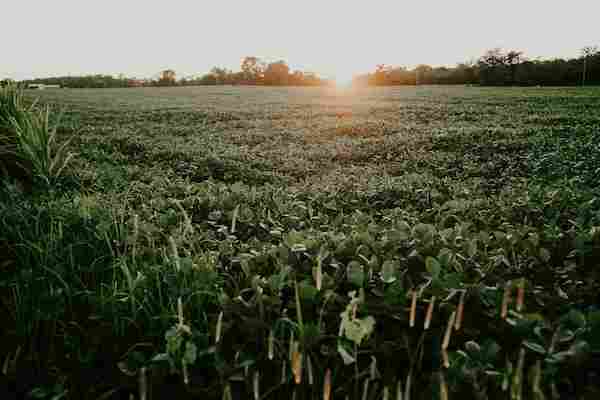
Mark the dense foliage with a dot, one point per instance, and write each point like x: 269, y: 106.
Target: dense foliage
x: 253, y: 72
x: 263, y: 243
x: 495, y: 68
x: 89, y: 81
x: 28, y: 147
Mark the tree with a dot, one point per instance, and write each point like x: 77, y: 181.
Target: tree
x: 221, y: 75
x: 422, y: 74
x: 587, y: 52
x: 493, y: 57
x: 277, y: 73
x: 493, y: 68
x: 167, y: 78
x: 513, y: 59
x: 466, y: 73
x: 380, y: 77
x: 253, y: 69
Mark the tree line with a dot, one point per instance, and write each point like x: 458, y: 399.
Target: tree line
x: 253, y: 71
x: 495, y: 68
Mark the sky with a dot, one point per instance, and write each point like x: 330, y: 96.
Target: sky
x: 334, y: 38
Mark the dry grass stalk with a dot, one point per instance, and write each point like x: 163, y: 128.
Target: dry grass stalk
x: 407, y: 387
x: 218, y: 328
x: 399, y: 390
x: 516, y: 388
x: 297, y: 363
x: 143, y: 384
x: 413, y: 308
x: 180, y: 312
x: 429, y: 313
x: 536, y: 381
x: 175, y: 254
x: 460, y: 311
x: 309, y: 371
x: 445, y: 358
x: 271, y: 345
x: 365, y: 394
x: 186, y: 376
x: 227, y: 392
x: 255, y: 385
x: 448, y: 334
x: 327, y: 385
x: 318, y: 273
x: 386, y: 393
x: 443, y: 387
x: 283, y: 372
x: 520, y: 295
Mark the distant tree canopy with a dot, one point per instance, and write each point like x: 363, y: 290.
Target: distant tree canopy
x: 386, y: 75
x: 495, y: 68
x: 89, y: 81
x: 168, y: 77
x: 6, y: 82
x: 253, y: 71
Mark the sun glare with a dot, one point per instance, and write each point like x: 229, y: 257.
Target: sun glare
x: 343, y: 83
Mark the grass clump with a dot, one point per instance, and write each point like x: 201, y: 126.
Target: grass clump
x: 29, y: 147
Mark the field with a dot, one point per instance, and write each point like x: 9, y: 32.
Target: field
x: 248, y: 242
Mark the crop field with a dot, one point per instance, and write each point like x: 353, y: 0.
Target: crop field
x: 309, y: 243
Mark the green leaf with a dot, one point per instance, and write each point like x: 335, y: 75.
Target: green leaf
x: 472, y: 248
x: 234, y: 218
x: 445, y: 257
x: 357, y: 329
x: 574, y: 319
x: 174, y: 340
x: 433, y: 267
x: 484, y: 237
x: 545, y: 255
x: 500, y: 236
x: 473, y: 347
x: 534, y: 347
x: 191, y: 351
x: 579, y: 348
x: 160, y: 357
x: 559, y: 357
x: 346, y: 357
x: 356, y: 273
x: 307, y: 291
x: 490, y: 350
x: 388, y: 272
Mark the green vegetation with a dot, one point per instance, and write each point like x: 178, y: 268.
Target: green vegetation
x: 265, y: 243
x: 28, y: 144
x: 496, y: 68
x: 253, y: 72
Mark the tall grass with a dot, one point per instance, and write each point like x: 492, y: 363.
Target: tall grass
x: 12, y: 110
x: 29, y: 146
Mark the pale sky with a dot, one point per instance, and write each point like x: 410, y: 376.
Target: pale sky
x: 333, y: 38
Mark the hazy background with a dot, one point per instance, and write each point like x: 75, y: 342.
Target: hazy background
x: 333, y: 38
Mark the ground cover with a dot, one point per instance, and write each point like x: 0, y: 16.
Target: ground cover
x: 268, y: 242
